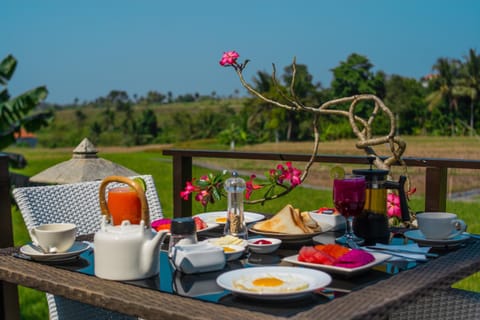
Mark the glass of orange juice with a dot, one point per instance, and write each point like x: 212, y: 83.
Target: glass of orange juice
x: 124, y: 204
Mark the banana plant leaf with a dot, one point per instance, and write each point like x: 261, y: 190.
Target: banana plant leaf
x: 17, y: 112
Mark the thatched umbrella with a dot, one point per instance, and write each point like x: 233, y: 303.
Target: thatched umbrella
x: 85, y: 165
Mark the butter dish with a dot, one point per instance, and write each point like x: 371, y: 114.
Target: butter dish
x: 336, y: 220
x: 197, y: 258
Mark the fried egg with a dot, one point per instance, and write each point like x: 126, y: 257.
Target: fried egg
x: 221, y: 220
x: 270, y: 283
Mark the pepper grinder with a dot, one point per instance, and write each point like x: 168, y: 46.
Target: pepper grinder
x: 182, y: 231
x: 235, y: 224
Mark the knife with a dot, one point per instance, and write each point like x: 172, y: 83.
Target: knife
x: 427, y: 254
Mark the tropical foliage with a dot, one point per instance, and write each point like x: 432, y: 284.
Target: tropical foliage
x: 445, y: 102
x: 17, y: 112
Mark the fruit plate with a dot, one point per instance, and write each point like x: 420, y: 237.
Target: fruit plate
x: 379, y: 258
x: 293, y: 282
x: 219, y: 217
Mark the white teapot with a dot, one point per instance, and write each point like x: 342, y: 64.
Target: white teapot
x: 126, y: 251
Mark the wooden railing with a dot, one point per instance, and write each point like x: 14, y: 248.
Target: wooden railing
x: 435, y: 193
x: 436, y: 172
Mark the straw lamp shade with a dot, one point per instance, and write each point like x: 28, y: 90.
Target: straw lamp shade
x: 85, y: 165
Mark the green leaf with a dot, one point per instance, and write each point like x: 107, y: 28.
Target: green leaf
x: 202, y: 183
x: 7, y: 68
x: 14, y: 113
x: 216, y: 195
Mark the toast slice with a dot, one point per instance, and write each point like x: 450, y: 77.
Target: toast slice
x: 310, y: 223
x: 281, y: 222
x: 297, y: 217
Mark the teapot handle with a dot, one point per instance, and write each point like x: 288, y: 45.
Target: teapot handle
x: 138, y: 189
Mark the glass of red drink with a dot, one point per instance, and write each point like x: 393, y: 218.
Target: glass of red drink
x: 349, y: 199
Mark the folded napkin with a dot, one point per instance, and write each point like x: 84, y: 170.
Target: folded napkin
x: 415, y: 252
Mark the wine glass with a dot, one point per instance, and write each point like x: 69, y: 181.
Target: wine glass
x: 349, y: 199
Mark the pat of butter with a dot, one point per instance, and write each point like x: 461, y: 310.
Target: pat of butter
x: 336, y: 220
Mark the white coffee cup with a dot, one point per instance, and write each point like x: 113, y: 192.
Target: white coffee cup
x: 54, y: 237
x: 440, y: 225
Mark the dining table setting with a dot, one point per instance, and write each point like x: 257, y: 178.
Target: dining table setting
x: 290, y: 263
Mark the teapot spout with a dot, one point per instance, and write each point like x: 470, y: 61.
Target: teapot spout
x: 150, y: 249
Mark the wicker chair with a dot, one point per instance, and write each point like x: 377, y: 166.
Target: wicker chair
x: 444, y: 304
x: 76, y: 203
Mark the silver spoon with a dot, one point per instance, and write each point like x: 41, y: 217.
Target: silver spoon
x: 40, y: 249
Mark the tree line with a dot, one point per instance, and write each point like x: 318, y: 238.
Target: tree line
x: 445, y: 102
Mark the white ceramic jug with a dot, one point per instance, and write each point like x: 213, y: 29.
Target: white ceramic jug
x: 127, y: 251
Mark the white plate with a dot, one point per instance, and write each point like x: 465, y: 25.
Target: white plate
x: 379, y: 258
x: 417, y: 236
x: 237, y: 253
x: 74, y: 251
x: 287, y: 236
x: 210, y: 217
x: 314, y: 278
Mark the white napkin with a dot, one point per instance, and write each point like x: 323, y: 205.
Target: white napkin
x: 391, y: 249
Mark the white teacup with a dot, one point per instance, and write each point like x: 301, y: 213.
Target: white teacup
x: 54, y: 237
x: 440, y: 225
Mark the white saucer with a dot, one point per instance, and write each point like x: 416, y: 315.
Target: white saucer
x: 74, y: 251
x: 417, y: 236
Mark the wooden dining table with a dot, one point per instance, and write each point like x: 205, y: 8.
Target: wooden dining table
x: 375, y: 294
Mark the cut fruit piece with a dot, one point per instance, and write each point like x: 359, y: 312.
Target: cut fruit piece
x: 141, y: 183
x: 337, y: 172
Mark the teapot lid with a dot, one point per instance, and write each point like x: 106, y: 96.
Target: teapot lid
x: 125, y: 227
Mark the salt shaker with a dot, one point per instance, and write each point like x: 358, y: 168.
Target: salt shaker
x: 235, y: 224
x: 182, y: 231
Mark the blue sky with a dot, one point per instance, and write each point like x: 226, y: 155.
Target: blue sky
x: 84, y: 49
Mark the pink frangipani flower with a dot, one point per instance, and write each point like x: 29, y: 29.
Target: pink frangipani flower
x: 229, y: 58
x: 189, y: 188
x: 250, y: 186
x: 393, y: 206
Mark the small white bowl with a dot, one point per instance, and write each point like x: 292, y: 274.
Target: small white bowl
x: 264, y: 248
x: 235, y: 254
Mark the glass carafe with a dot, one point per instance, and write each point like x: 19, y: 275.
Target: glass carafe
x: 372, y: 223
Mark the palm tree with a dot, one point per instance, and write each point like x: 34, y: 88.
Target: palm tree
x: 16, y: 112
x: 445, y: 87
x: 469, y: 83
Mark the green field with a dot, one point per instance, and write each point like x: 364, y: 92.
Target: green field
x: 33, y: 303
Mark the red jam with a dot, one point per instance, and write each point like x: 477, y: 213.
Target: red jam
x: 261, y: 241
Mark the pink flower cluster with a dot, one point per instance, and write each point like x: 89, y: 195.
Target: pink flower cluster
x: 290, y: 174
x: 209, y: 188
x: 203, y: 194
x: 229, y: 58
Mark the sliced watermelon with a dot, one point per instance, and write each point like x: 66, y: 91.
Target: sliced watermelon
x: 312, y: 255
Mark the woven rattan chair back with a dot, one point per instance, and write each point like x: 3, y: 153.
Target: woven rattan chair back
x: 76, y: 203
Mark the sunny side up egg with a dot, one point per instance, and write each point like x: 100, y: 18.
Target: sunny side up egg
x: 270, y: 283
x: 221, y: 220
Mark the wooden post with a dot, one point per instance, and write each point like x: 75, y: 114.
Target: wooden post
x: 436, y: 189
x: 9, y: 307
x: 182, y: 172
